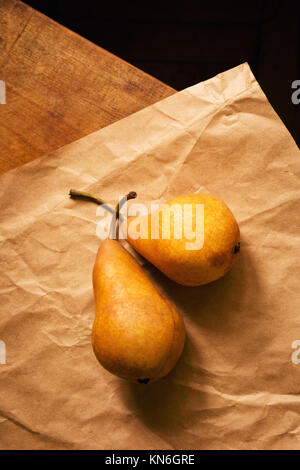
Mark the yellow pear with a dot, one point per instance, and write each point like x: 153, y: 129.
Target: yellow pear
x: 138, y: 334
x: 193, y: 239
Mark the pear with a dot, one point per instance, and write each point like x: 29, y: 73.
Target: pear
x: 216, y: 238
x: 138, y: 334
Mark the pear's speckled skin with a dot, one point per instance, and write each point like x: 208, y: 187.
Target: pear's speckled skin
x: 138, y: 334
x: 192, y: 267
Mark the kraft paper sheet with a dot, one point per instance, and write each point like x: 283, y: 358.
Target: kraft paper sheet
x: 237, y: 383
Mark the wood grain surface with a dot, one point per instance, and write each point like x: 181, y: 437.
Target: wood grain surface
x: 59, y: 86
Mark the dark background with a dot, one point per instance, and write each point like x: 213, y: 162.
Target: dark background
x: 184, y: 43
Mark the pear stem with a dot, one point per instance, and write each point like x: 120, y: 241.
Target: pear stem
x: 74, y: 194
x: 112, y: 230
x: 130, y: 195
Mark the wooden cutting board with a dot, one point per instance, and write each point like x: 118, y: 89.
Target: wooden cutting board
x: 60, y: 86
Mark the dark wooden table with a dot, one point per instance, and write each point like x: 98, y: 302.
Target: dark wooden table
x: 186, y: 43
x: 59, y: 86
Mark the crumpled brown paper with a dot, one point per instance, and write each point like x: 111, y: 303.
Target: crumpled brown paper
x: 236, y: 385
